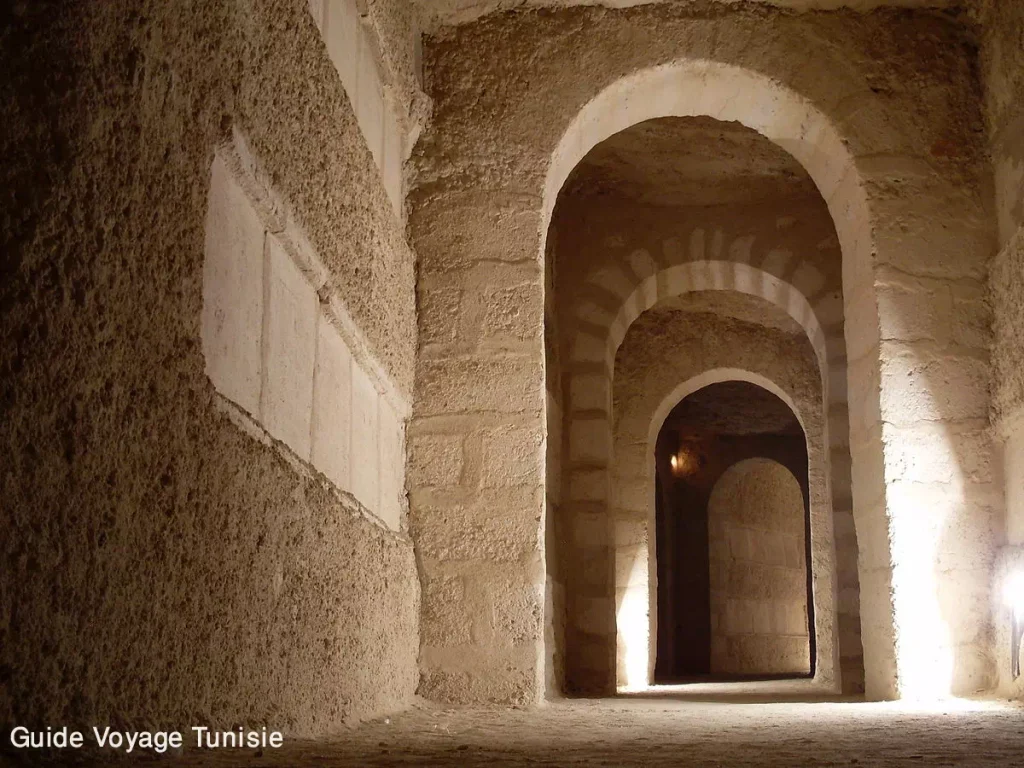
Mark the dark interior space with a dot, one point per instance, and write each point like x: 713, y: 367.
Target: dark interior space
x: 708, y: 432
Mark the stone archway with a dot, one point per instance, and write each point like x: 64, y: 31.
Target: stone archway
x: 807, y: 411
x: 481, y: 375
x: 728, y: 93
x: 594, y: 480
x: 795, y: 381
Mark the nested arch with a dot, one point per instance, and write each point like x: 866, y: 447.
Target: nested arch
x: 789, y: 120
x: 717, y: 376
x: 788, y: 376
x: 593, y: 346
x: 714, y: 275
x: 722, y: 276
x: 729, y: 93
x: 600, y: 458
x: 895, y: 593
x: 489, y: 172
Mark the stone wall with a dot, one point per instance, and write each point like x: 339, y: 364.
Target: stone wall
x: 374, y: 46
x: 758, y: 572
x: 171, y: 560
x: 1003, y: 72
x: 295, y: 365
x: 890, y: 161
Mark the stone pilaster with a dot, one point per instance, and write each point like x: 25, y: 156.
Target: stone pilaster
x: 477, y: 458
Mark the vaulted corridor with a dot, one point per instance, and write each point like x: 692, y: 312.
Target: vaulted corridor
x: 545, y: 382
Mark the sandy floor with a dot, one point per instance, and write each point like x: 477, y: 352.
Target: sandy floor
x: 765, y: 724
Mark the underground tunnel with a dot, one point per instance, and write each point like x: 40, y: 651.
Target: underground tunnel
x: 544, y: 382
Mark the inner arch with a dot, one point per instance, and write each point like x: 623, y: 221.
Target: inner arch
x: 721, y: 276
x: 700, y: 87
x: 626, y: 284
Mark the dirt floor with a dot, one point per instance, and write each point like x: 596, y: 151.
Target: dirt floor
x: 754, y: 724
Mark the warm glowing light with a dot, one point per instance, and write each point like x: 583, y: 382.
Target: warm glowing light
x: 1013, y: 593
x: 925, y: 652
x: 684, y: 462
x: 633, y: 622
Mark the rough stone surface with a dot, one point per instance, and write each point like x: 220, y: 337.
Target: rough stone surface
x: 1008, y: 361
x: 163, y: 565
x: 1003, y: 75
x: 738, y: 306
x: 449, y: 12
x: 758, y: 572
x: 688, y: 161
x: 733, y: 408
x: 1002, y: 62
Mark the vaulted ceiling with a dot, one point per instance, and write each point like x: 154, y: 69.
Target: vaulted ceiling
x: 733, y: 408
x: 688, y: 161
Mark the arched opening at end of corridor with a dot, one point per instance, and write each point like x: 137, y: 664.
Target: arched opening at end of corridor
x: 681, y: 250
x: 495, y: 385
x: 732, y: 524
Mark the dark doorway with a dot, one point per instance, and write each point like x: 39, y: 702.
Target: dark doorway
x: 706, y: 434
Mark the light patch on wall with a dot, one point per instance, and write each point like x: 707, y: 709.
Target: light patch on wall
x: 1013, y: 593
x: 296, y: 366
x: 631, y: 618
x: 923, y: 643
x: 352, y: 48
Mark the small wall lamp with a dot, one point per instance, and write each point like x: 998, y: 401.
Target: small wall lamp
x: 684, y: 462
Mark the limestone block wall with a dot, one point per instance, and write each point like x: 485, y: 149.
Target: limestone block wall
x: 1003, y: 68
x: 171, y: 560
x: 889, y: 161
x: 477, y: 456
x: 758, y: 572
